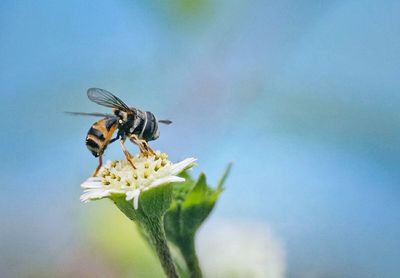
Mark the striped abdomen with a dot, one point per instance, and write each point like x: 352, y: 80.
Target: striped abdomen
x: 99, y: 135
x: 147, y: 129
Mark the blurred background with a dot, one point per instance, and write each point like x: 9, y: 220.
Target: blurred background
x: 303, y: 97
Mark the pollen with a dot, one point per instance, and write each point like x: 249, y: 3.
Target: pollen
x: 105, y: 173
x: 163, y: 156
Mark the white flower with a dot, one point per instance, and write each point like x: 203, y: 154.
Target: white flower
x: 120, y: 178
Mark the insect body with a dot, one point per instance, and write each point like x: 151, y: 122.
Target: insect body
x: 138, y: 126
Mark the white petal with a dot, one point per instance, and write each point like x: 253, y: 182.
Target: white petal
x: 92, y: 182
x: 135, y: 196
x: 93, y: 185
x: 94, y: 195
x: 166, y: 180
x: 180, y: 166
x: 116, y: 191
x: 129, y: 195
x: 94, y: 179
x: 136, y: 200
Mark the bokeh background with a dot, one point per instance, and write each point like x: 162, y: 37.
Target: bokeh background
x: 303, y: 97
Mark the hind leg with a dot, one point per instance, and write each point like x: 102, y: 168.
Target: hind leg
x: 143, y: 145
x: 98, y: 166
x: 147, y: 149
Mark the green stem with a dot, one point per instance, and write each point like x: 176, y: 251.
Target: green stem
x: 187, y: 248
x: 156, y: 234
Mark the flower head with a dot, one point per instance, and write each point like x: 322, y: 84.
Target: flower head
x: 118, y: 178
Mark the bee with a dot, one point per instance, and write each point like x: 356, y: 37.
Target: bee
x: 130, y: 123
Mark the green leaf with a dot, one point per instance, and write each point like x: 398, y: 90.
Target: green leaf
x: 222, y: 180
x: 199, y: 193
x: 197, y: 205
x: 192, y: 203
x: 181, y: 189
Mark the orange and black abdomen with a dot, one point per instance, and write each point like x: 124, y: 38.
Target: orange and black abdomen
x: 99, y: 135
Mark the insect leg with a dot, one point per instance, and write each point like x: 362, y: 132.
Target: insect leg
x: 146, y: 147
x: 98, y: 167
x: 127, y: 153
x: 134, y: 139
x: 114, y: 139
x: 142, y: 144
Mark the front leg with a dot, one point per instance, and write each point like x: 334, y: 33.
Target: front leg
x: 127, y: 154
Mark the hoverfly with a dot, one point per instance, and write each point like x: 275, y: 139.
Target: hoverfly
x: 138, y: 126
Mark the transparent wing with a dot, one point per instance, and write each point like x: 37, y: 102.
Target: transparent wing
x: 90, y: 114
x: 105, y: 98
